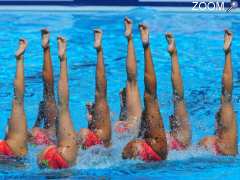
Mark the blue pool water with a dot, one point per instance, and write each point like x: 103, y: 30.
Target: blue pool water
x: 199, y: 40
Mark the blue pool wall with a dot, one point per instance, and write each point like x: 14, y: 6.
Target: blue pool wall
x: 161, y: 3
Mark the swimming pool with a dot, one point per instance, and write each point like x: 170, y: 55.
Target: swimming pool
x: 199, y: 40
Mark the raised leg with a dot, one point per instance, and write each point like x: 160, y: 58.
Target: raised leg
x: 179, y: 123
x: 17, y: 125
x: 226, y: 131
x: 65, y: 130
x: 133, y: 102
x: 152, y: 123
x: 47, y: 108
x: 101, y: 112
x: 225, y: 140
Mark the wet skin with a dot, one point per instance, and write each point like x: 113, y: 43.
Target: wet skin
x: 47, y: 108
x: 179, y: 123
x: 130, y: 96
x: 99, y: 115
x: 226, y: 126
x: 16, y: 136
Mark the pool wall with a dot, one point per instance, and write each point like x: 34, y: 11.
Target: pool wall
x: 161, y: 3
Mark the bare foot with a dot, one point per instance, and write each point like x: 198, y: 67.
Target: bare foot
x: 227, y: 40
x: 61, y: 47
x: 97, y: 39
x: 21, y: 48
x: 171, y: 43
x: 144, y: 34
x: 128, y: 27
x: 45, y: 38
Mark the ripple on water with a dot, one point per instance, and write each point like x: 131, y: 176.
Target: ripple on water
x: 199, y: 39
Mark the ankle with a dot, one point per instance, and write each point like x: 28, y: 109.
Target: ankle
x: 99, y: 49
x: 63, y: 57
x: 46, y: 48
x: 227, y: 51
x: 19, y: 57
x: 173, y: 53
x: 129, y: 38
x: 145, y: 45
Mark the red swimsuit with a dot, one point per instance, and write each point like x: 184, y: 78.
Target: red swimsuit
x: 5, y: 149
x: 91, y: 139
x: 53, y: 159
x: 146, y: 153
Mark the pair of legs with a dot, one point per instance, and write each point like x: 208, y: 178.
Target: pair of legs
x: 99, y: 123
x: 47, y: 108
x: 180, y: 129
x: 152, y: 128
x: 225, y: 139
x: 66, y: 144
x: 130, y: 98
x: 16, y: 137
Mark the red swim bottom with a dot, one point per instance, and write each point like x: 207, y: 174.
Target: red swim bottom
x: 146, y: 153
x: 173, y: 143
x: 215, y: 148
x: 41, y: 138
x: 5, y: 149
x: 53, y: 159
x: 91, y: 139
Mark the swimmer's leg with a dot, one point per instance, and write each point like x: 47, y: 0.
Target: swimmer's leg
x: 155, y: 133
x: 180, y: 127
x: 133, y: 102
x: 101, y: 111
x: 65, y: 130
x: 17, y: 125
x: 48, y: 108
x: 226, y: 131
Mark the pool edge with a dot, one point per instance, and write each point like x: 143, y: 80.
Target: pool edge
x: 101, y: 8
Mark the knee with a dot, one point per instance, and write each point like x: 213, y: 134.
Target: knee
x: 82, y: 135
x: 131, y: 150
x: 46, y: 76
x: 132, y: 76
